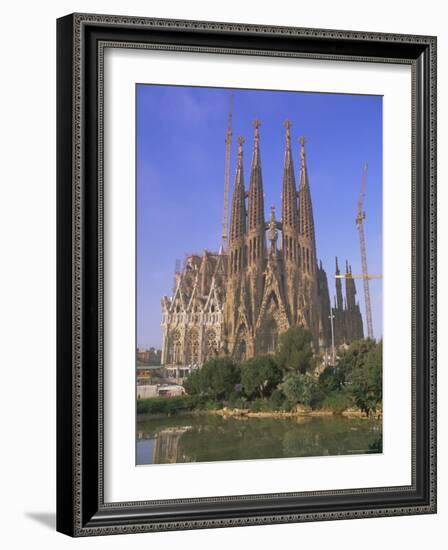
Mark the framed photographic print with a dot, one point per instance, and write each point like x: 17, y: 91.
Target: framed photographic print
x: 246, y: 274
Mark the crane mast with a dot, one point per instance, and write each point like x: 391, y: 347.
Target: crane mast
x: 228, y: 141
x: 360, y: 217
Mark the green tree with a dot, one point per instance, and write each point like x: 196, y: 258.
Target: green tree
x: 299, y: 388
x: 260, y: 376
x: 353, y: 358
x: 216, y: 379
x: 331, y: 379
x: 193, y: 384
x: 295, y: 352
x: 359, y: 371
x: 365, y: 380
x: 338, y: 401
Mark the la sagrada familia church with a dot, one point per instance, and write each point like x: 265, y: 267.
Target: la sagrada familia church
x: 237, y: 301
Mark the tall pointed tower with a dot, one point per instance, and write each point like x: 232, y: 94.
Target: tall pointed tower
x: 255, y: 218
x: 306, y: 218
x: 238, y: 217
x: 256, y: 227
x: 354, y: 327
x: 239, y: 338
x: 339, y: 313
x: 338, y: 283
x: 308, y: 299
x: 290, y: 231
x: 325, y: 307
x: 350, y: 289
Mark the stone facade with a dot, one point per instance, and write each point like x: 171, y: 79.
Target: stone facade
x: 236, y: 302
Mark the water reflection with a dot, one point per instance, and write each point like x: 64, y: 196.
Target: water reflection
x: 212, y: 438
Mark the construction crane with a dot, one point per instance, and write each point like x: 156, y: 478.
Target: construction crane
x: 351, y: 276
x: 360, y: 217
x: 228, y: 141
x: 366, y: 276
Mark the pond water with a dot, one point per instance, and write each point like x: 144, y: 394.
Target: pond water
x: 210, y: 438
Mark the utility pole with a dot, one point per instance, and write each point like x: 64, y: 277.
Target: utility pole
x: 228, y: 141
x: 331, y: 317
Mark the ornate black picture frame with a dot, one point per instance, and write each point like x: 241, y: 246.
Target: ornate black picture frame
x: 81, y: 509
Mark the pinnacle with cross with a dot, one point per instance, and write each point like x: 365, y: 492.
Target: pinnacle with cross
x: 288, y: 130
x: 302, y: 150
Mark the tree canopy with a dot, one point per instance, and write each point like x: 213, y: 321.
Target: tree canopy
x: 216, y: 379
x: 360, y: 367
x: 260, y: 376
x: 295, y: 352
x: 288, y: 378
x: 299, y: 388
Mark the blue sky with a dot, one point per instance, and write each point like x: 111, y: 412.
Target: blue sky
x: 180, y: 177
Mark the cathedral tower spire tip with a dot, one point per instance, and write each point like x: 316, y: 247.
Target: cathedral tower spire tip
x: 302, y: 142
x: 256, y: 153
x: 255, y: 210
x: 240, y: 146
x: 287, y: 124
x: 290, y: 218
x: 238, y: 213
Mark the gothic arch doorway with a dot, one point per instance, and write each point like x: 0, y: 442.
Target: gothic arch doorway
x: 267, y: 336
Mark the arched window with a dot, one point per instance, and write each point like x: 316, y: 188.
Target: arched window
x: 193, y: 347
x: 177, y: 348
x: 211, y: 344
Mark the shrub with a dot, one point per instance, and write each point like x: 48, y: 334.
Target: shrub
x: 164, y: 405
x: 331, y: 379
x: 213, y: 405
x: 260, y: 405
x: 216, y: 379
x: 260, y: 376
x: 237, y: 401
x: 299, y: 388
x: 364, y: 379
x: 295, y: 351
x: 338, y: 402
x: 278, y: 401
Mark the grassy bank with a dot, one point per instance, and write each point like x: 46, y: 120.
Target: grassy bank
x: 159, y: 407
x: 171, y: 406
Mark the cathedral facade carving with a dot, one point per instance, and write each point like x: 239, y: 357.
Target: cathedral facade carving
x: 236, y: 302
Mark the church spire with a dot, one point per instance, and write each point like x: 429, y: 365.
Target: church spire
x: 238, y: 216
x: 305, y: 205
x: 350, y: 288
x: 256, y: 203
x: 290, y: 233
x: 237, y: 240
x: 306, y: 219
x: 339, y: 298
x: 289, y: 195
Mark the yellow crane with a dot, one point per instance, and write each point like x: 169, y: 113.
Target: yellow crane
x: 360, y: 217
x: 365, y: 276
x: 351, y: 276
